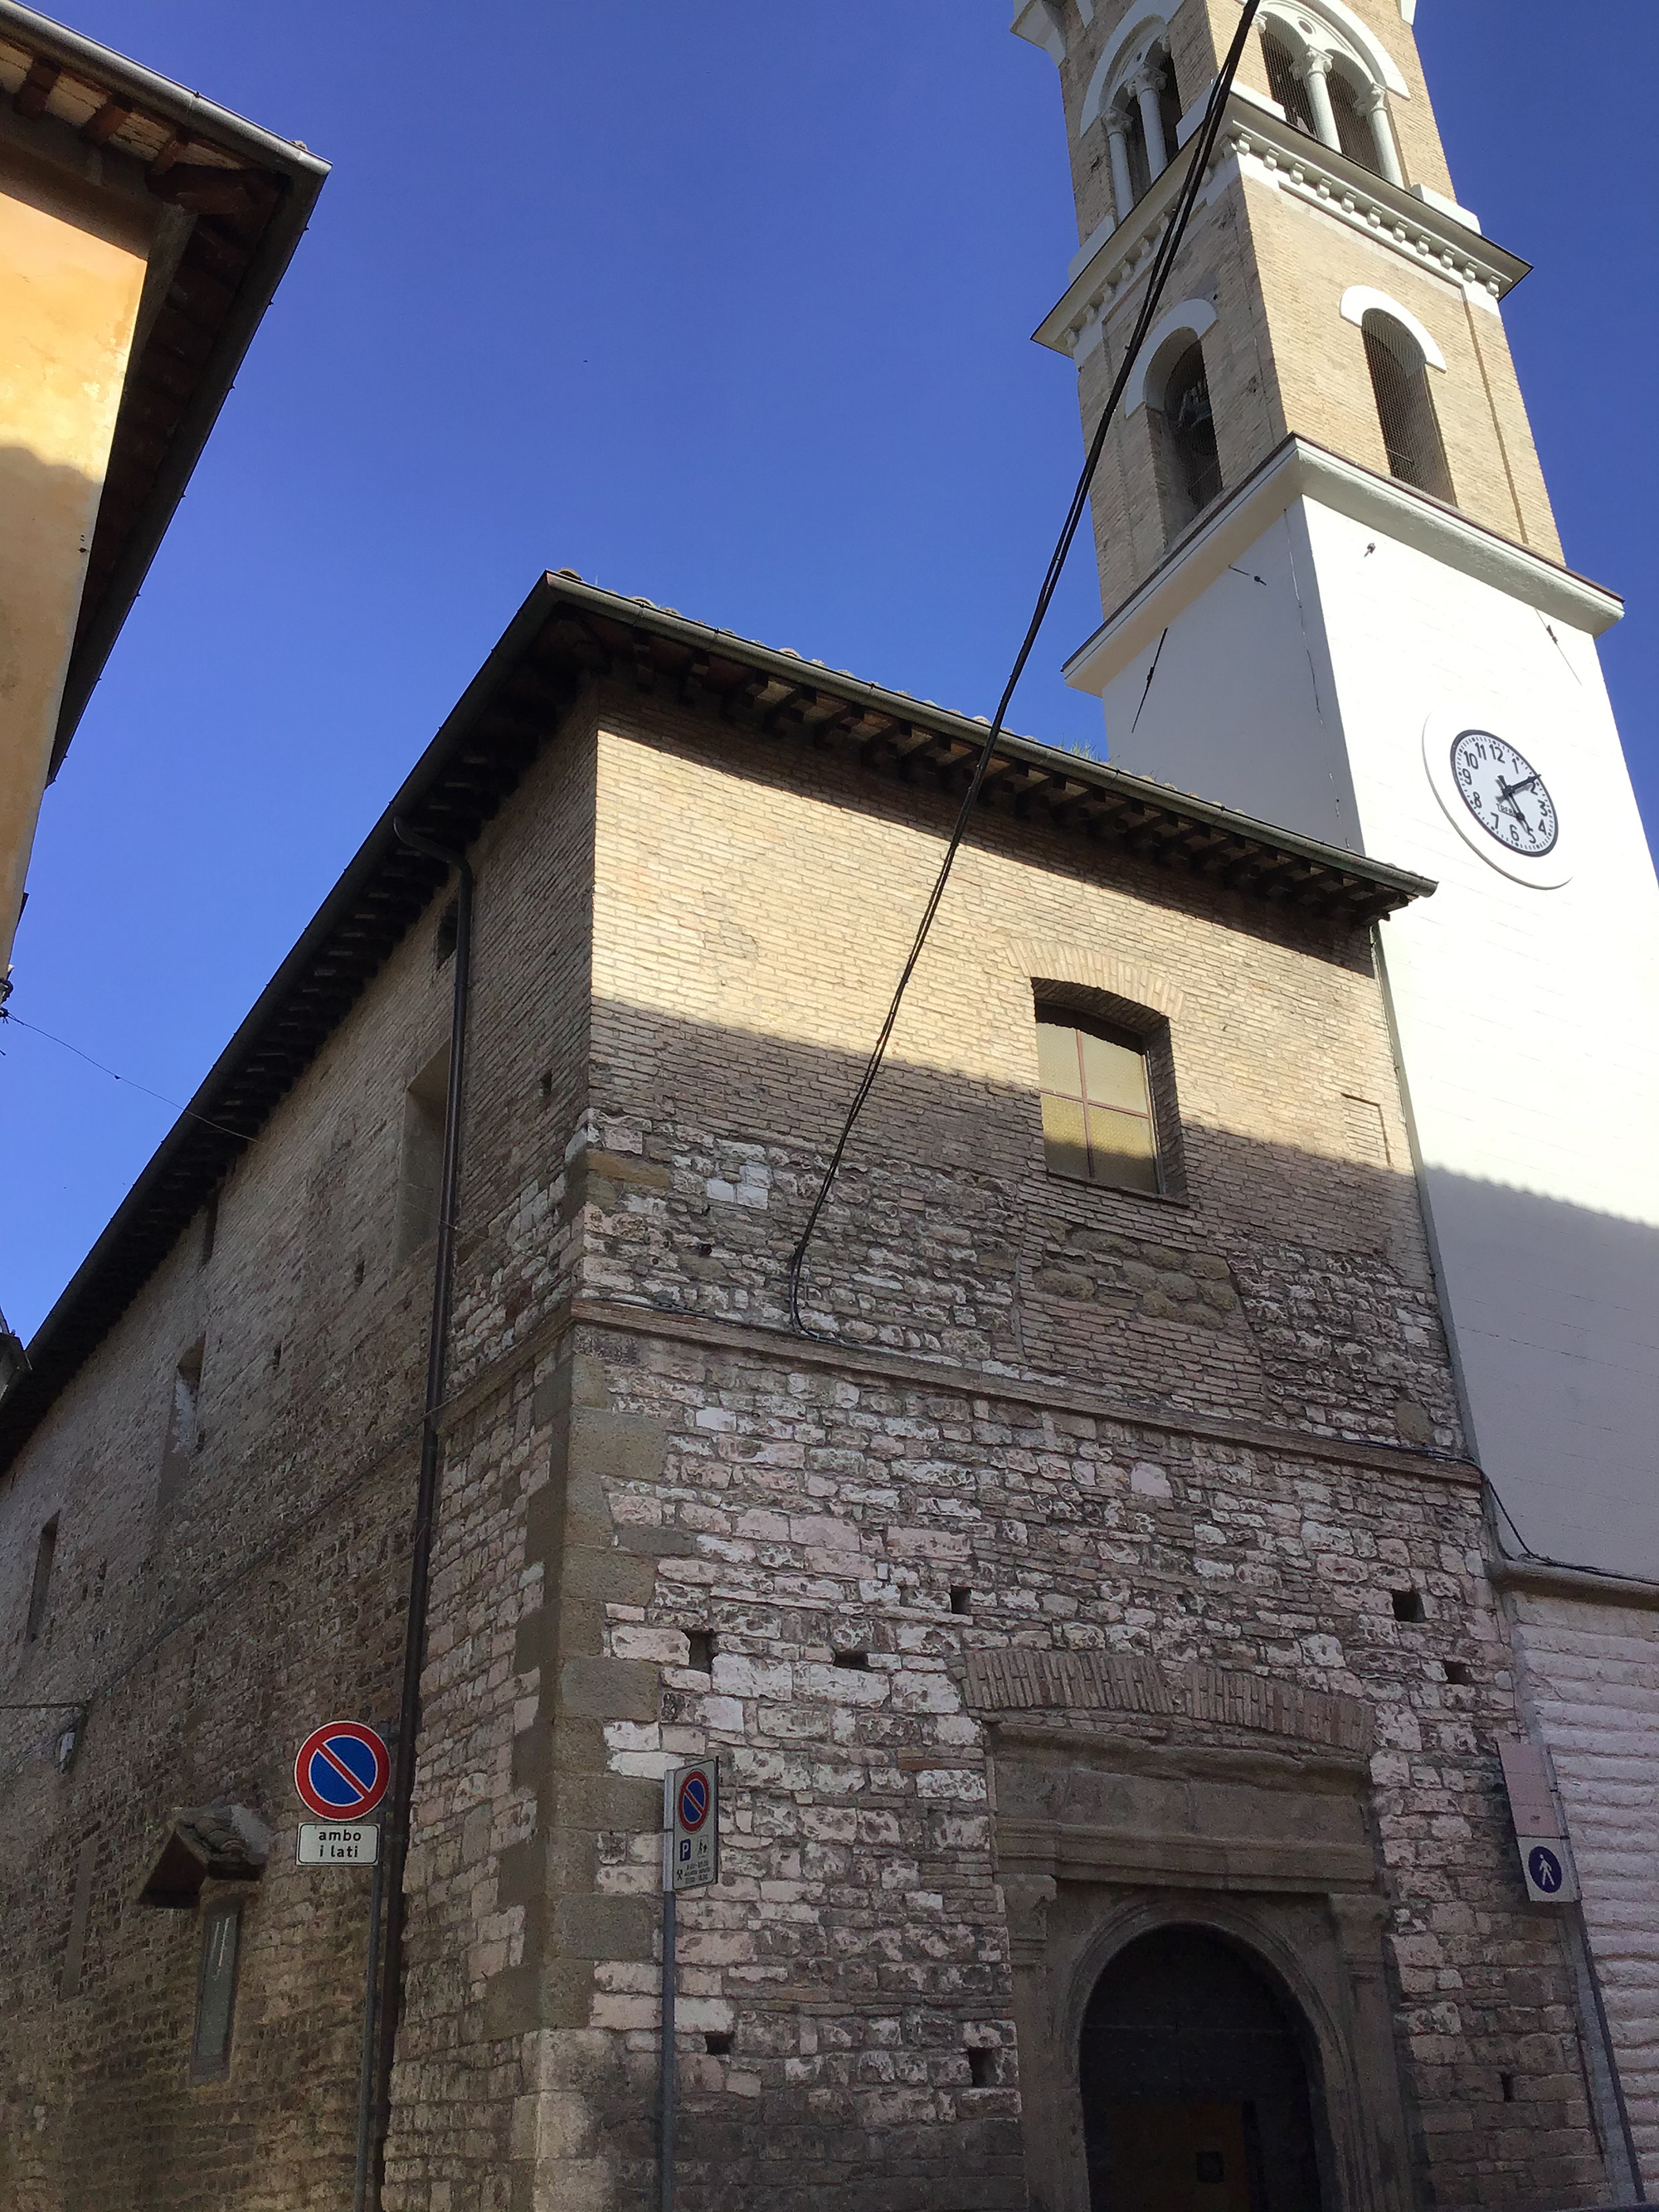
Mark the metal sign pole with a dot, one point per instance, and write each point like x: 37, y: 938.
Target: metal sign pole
x: 666, y: 2110
x: 366, y: 2064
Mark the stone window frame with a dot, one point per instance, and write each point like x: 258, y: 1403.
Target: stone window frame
x: 1334, y: 2089
x: 1305, y: 1903
x: 215, y: 2066
x: 1150, y: 1027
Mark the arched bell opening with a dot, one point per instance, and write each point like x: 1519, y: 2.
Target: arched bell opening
x: 1404, y: 407
x: 1185, y: 456
x: 1200, y: 2083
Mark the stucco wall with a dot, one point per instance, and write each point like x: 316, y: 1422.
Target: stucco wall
x: 72, y: 264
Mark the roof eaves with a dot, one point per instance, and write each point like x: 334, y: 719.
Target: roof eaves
x: 1400, y: 885
x: 300, y: 176
x: 510, y: 708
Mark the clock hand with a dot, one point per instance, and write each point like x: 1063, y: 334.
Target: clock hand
x: 1509, y: 790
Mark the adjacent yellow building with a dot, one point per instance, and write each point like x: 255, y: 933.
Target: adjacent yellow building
x: 142, y: 232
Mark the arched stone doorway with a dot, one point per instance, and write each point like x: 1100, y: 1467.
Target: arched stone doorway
x: 1199, y: 2093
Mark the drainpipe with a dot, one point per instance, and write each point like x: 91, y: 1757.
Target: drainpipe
x: 375, y: 2102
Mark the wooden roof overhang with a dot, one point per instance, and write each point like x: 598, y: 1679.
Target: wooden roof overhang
x: 238, y: 199
x: 566, y: 635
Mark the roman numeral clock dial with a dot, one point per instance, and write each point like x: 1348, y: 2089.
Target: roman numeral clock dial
x: 1504, y: 792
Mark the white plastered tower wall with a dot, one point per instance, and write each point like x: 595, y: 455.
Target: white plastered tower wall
x: 1306, y: 652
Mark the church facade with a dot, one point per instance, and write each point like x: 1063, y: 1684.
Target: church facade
x: 1094, y: 1610
x: 1347, y: 574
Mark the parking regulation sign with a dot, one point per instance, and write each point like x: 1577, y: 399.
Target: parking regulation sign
x: 693, y: 1807
x: 341, y: 1770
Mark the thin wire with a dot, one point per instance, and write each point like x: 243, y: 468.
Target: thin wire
x: 7, y: 1015
x: 1203, y: 146
x: 1150, y: 673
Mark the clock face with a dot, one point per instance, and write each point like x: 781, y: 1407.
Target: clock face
x: 1504, y: 792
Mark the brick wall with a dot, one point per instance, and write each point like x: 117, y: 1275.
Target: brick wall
x: 210, y: 1628
x: 1281, y: 358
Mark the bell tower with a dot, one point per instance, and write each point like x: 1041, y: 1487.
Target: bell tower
x: 1336, y: 601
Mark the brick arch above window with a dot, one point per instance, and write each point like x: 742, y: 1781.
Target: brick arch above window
x: 1362, y: 299
x: 1169, y: 337
x: 1057, y: 962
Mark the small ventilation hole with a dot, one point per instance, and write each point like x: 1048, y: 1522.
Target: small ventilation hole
x: 276, y: 1358
x: 717, y: 2042
x: 1458, y: 1674
x: 1408, y: 1604
x: 962, y: 1599
x: 702, y: 1658
x: 859, y: 1661
x: 1506, y: 2087
x: 982, y: 2069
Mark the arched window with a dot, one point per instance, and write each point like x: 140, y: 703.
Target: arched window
x: 1356, y: 135
x: 1284, y: 82
x: 1169, y: 102
x: 1404, y: 407
x: 1135, y: 162
x: 1183, y: 442
x: 1334, y: 97
x: 1199, y: 2081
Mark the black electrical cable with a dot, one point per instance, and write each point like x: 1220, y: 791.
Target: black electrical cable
x: 131, y: 1081
x: 1203, y: 147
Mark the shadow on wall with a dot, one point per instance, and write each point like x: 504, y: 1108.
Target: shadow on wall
x: 47, y: 511
x: 1291, y: 1285
x: 1561, y: 1366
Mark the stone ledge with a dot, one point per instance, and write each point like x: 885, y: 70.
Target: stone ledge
x: 1048, y: 1394
x: 1542, y: 1578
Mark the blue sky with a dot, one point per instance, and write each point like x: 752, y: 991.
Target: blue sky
x: 727, y: 306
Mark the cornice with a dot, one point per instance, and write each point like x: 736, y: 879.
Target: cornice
x: 1543, y: 1578
x: 1298, y: 469
x: 1258, y: 144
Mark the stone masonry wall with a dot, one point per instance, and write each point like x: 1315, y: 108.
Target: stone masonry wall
x: 707, y: 1475
x: 211, y: 1607
x: 803, y: 1507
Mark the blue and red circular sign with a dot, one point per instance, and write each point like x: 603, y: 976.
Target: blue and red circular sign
x: 694, y: 1800
x: 340, y: 1771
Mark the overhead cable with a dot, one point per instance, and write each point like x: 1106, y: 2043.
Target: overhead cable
x: 1202, y: 148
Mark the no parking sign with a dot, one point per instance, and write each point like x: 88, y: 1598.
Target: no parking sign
x: 341, y: 1770
x: 694, y: 1823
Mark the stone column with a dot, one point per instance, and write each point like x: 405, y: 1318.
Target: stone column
x: 1313, y: 72
x: 1123, y: 190
x: 1146, y: 84
x: 1374, y: 107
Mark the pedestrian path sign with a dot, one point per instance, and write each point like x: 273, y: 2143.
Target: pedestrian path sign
x: 1547, y: 1870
